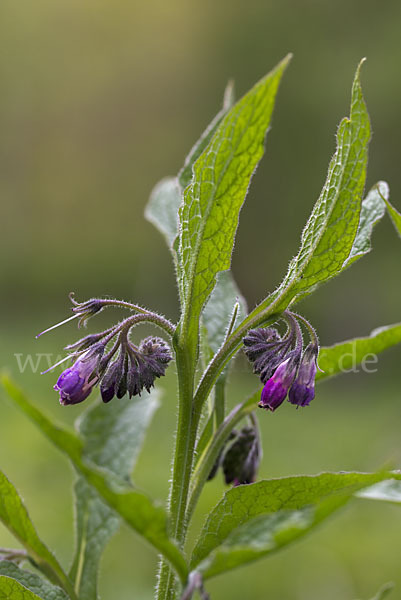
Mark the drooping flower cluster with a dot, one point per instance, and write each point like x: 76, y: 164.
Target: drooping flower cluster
x: 109, y: 359
x: 135, y: 368
x: 240, y: 457
x: 283, y: 365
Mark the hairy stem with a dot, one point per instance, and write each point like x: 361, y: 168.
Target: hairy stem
x: 183, y: 457
x: 210, y: 455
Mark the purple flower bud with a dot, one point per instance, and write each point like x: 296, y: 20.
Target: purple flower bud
x: 266, y: 349
x: 85, y: 342
x: 303, y: 389
x: 85, y: 310
x: 112, y: 380
x: 257, y: 341
x: 276, y: 388
x: 241, y: 459
x: 148, y: 362
x: 76, y: 383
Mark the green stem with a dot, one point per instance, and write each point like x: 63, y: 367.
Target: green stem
x: 190, y: 409
x: 206, y: 462
x: 219, y: 401
x: 183, y: 458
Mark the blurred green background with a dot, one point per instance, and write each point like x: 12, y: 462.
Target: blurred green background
x: 99, y: 100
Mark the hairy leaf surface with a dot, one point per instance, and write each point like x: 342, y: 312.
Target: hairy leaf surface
x: 372, y: 211
x: 395, y: 216
x: 32, y: 581
x: 329, y: 235
x: 212, y: 201
x: 257, y: 519
x: 345, y: 356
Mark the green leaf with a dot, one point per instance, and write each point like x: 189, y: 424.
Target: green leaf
x: 212, y: 201
x: 95, y: 524
x: 162, y: 208
x: 12, y: 590
x: 112, y: 440
x: 15, y: 517
x: 372, y: 211
x: 32, y: 582
x: 346, y: 356
x: 141, y: 513
x: 254, y: 520
x: 329, y: 235
x: 395, y: 216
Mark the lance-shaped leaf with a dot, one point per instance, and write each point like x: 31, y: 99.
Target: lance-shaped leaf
x: 372, y: 211
x: 10, y: 589
x: 330, y: 232
x: 42, y: 588
x: 141, y: 513
x: 254, y: 520
x: 213, y: 199
x: 16, y: 518
x: 346, y: 356
x: 395, y: 216
x: 112, y: 440
x: 329, y: 235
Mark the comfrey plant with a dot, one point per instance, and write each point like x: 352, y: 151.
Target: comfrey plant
x: 197, y: 212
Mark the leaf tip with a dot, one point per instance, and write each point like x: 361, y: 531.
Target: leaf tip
x: 286, y: 60
x: 359, y: 67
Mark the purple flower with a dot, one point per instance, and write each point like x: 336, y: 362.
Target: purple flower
x: 276, y: 388
x: 266, y: 350
x: 76, y: 383
x: 303, y: 389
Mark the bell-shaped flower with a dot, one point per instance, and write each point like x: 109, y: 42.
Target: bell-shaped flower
x: 303, y: 389
x: 75, y: 383
x: 276, y: 388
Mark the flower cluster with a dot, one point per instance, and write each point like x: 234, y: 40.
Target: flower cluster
x: 240, y: 457
x: 133, y: 370
x: 109, y: 359
x: 283, y: 365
